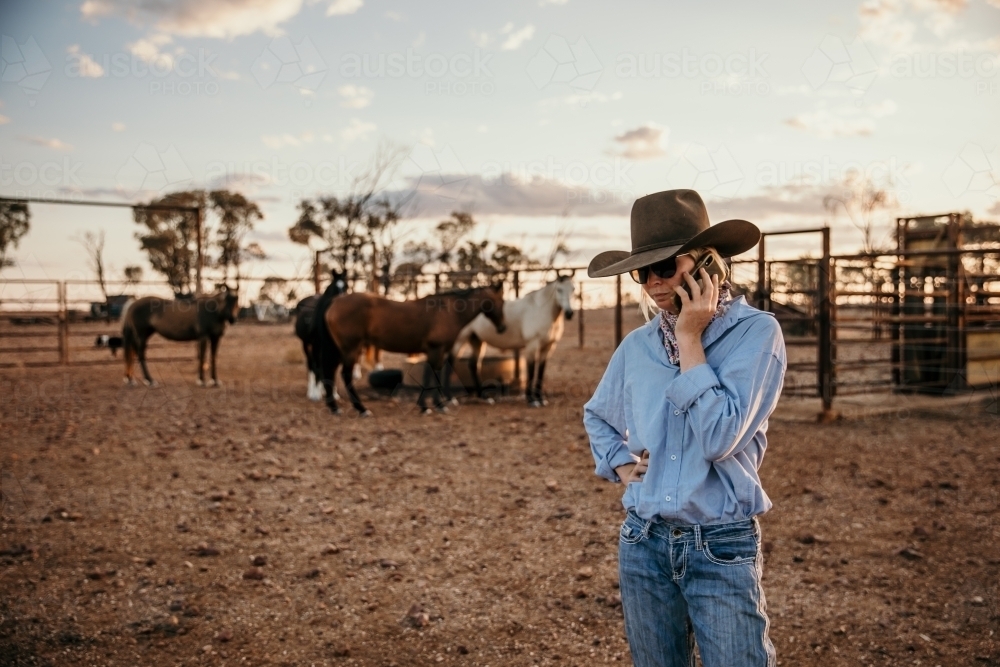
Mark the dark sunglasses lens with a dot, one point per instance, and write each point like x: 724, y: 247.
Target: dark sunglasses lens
x: 639, y: 275
x: 665, y: 269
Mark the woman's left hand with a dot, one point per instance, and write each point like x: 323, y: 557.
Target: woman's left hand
x: 698, y: 309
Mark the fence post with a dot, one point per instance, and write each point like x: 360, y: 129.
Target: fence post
x: 63, y: 319
x: 316, y: 283
x: 761, y: 275
x: 579, y: 322
x: 618, y: 310
x: 199, y: 221
x: 955, y: 372
x: 825, y: 376
x: 517, y: 353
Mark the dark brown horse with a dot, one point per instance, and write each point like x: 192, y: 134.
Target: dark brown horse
x: 202, y: 319
x: 429, y: 325
x: 311, y: 330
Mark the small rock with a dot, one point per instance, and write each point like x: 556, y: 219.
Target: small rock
x: 388, y: 563
x: 254, y: 574
x: 224, y: 636
x: 217, y: 497
x: 330, y: 549
x: 613, y: 600
x: 462, y: 650
x: 580, y: 594
x: 203, y: 550
x: 806, y: 539
x: 921, y: 532
x: 150, y: 562
x: 207, y: 648
x: 176, y: 605
x: 417, y: 617
x: 909, y: 553
x: 312, y: 574
x: 552, y: 485
x: 585, y: 572
x: 95, y: 575
x: 261, y: 531
x: 259, y: 560
x: 977, y: 601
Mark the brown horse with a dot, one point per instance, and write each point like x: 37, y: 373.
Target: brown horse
x: 429, y: 325
x: 202, y: 319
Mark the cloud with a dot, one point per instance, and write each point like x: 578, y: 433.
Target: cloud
x: 393, y: 16
x: 148, y: 51
x: 645, y: 142
x: 278, y: 141
x: 86, y: 66
x: 343, y: 7
x: 355, y: 97
x: 118, y: 127
x: 482, y: 39
x: 515, y: 39
x: 826, y: 124
x: 510, y: 194
x: 53, y: 143
x: 222, y: 19
x: 842, y: 122
x: 4, y: 120
x: 358, y: 129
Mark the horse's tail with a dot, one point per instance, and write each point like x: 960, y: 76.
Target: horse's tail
x: 129, y: 338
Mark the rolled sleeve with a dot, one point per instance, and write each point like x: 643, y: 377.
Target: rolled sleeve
x: 685, y: 389
x: 618, y: 456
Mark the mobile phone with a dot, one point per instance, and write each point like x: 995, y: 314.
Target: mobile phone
x: 712, y: 262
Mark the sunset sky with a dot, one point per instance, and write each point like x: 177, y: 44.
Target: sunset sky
x: 535, y: 116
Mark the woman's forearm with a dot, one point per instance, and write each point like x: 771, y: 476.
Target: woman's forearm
x: 691, y: 352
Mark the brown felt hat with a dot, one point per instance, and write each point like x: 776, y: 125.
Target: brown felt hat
x: 669, y: 223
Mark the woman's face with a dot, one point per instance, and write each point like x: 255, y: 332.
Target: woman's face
x: 661, y: 290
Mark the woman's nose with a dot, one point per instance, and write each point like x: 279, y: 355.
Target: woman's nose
x: 653, y: 280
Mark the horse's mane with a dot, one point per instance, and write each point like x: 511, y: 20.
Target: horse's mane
x: 461, y: 292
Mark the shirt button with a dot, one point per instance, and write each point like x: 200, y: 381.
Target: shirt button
x: 668, y: 498
x: 673, y: 457
x: 677, y: 412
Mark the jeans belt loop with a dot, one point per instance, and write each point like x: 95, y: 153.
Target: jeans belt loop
x: 697, y: 537
x: 645, y: 529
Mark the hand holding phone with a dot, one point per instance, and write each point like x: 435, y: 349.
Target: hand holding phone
x: 712, y: 262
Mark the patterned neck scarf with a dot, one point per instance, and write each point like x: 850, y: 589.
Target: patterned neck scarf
x: 668, y: 322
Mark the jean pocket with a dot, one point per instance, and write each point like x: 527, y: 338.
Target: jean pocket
x: 630, y: 532
x: 740, y: 551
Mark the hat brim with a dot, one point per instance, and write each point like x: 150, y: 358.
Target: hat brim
x: 729, y: 238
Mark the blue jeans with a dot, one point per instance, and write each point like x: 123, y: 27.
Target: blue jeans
x: 681, y: 583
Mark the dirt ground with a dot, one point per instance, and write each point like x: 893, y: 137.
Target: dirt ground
x: 248, y: 526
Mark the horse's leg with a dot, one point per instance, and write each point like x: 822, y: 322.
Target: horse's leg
x: 129, y: 358
x: 475, y: 362
x: 544, y: 357
x: 202, y: 346
x: 436, y: 362
x: 424, y: 387
x: 328, y: 360
x: 347, y: 373
x: 141, y: 350
x: 215, y: 349
x: 447, y: 370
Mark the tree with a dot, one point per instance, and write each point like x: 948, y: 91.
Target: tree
x: 237, y: 216
x: 863, y: 200
x: 357, y: 228
x: 15, y: 220
x: 93, y: 245
x: 132, y: 275
x: 170, y: 238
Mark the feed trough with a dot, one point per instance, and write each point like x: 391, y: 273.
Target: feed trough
x: 497, y: 374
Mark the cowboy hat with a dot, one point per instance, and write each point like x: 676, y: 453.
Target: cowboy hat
x: 670, y: 223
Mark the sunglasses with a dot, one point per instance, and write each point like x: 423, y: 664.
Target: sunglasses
x: 663, y: 269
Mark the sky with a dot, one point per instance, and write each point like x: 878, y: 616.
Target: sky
x: 537, y: 117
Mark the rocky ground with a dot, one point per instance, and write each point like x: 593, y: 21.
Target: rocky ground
x: 247, y: 526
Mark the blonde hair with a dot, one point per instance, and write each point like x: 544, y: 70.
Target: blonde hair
x: 648, y: 307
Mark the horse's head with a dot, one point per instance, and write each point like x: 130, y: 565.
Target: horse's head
x: 230, y: 305
x: 564, y: 290
x: 339, y: 281
x: 491, y: 305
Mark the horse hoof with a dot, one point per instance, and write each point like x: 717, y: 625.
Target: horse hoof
x: 535, y: 404
x: 490, y: 401
x: 366, y: 413
x: 151, y: 383
x: 427, y: 411
x: 442, y: 409
x: 453, y: 401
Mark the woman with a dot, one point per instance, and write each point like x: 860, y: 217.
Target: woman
x: 679, y: 418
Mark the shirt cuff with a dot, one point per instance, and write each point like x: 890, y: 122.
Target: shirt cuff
x: 685, y: 389
x: 619, y: 456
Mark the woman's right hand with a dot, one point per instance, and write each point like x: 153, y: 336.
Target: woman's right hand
x: 633, y: 472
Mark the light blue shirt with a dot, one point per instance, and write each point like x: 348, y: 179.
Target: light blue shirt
x: 704, y: 429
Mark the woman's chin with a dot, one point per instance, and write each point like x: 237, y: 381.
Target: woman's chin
x: 664, y: 304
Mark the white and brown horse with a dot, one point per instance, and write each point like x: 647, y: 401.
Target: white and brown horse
x: 534, y: 325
